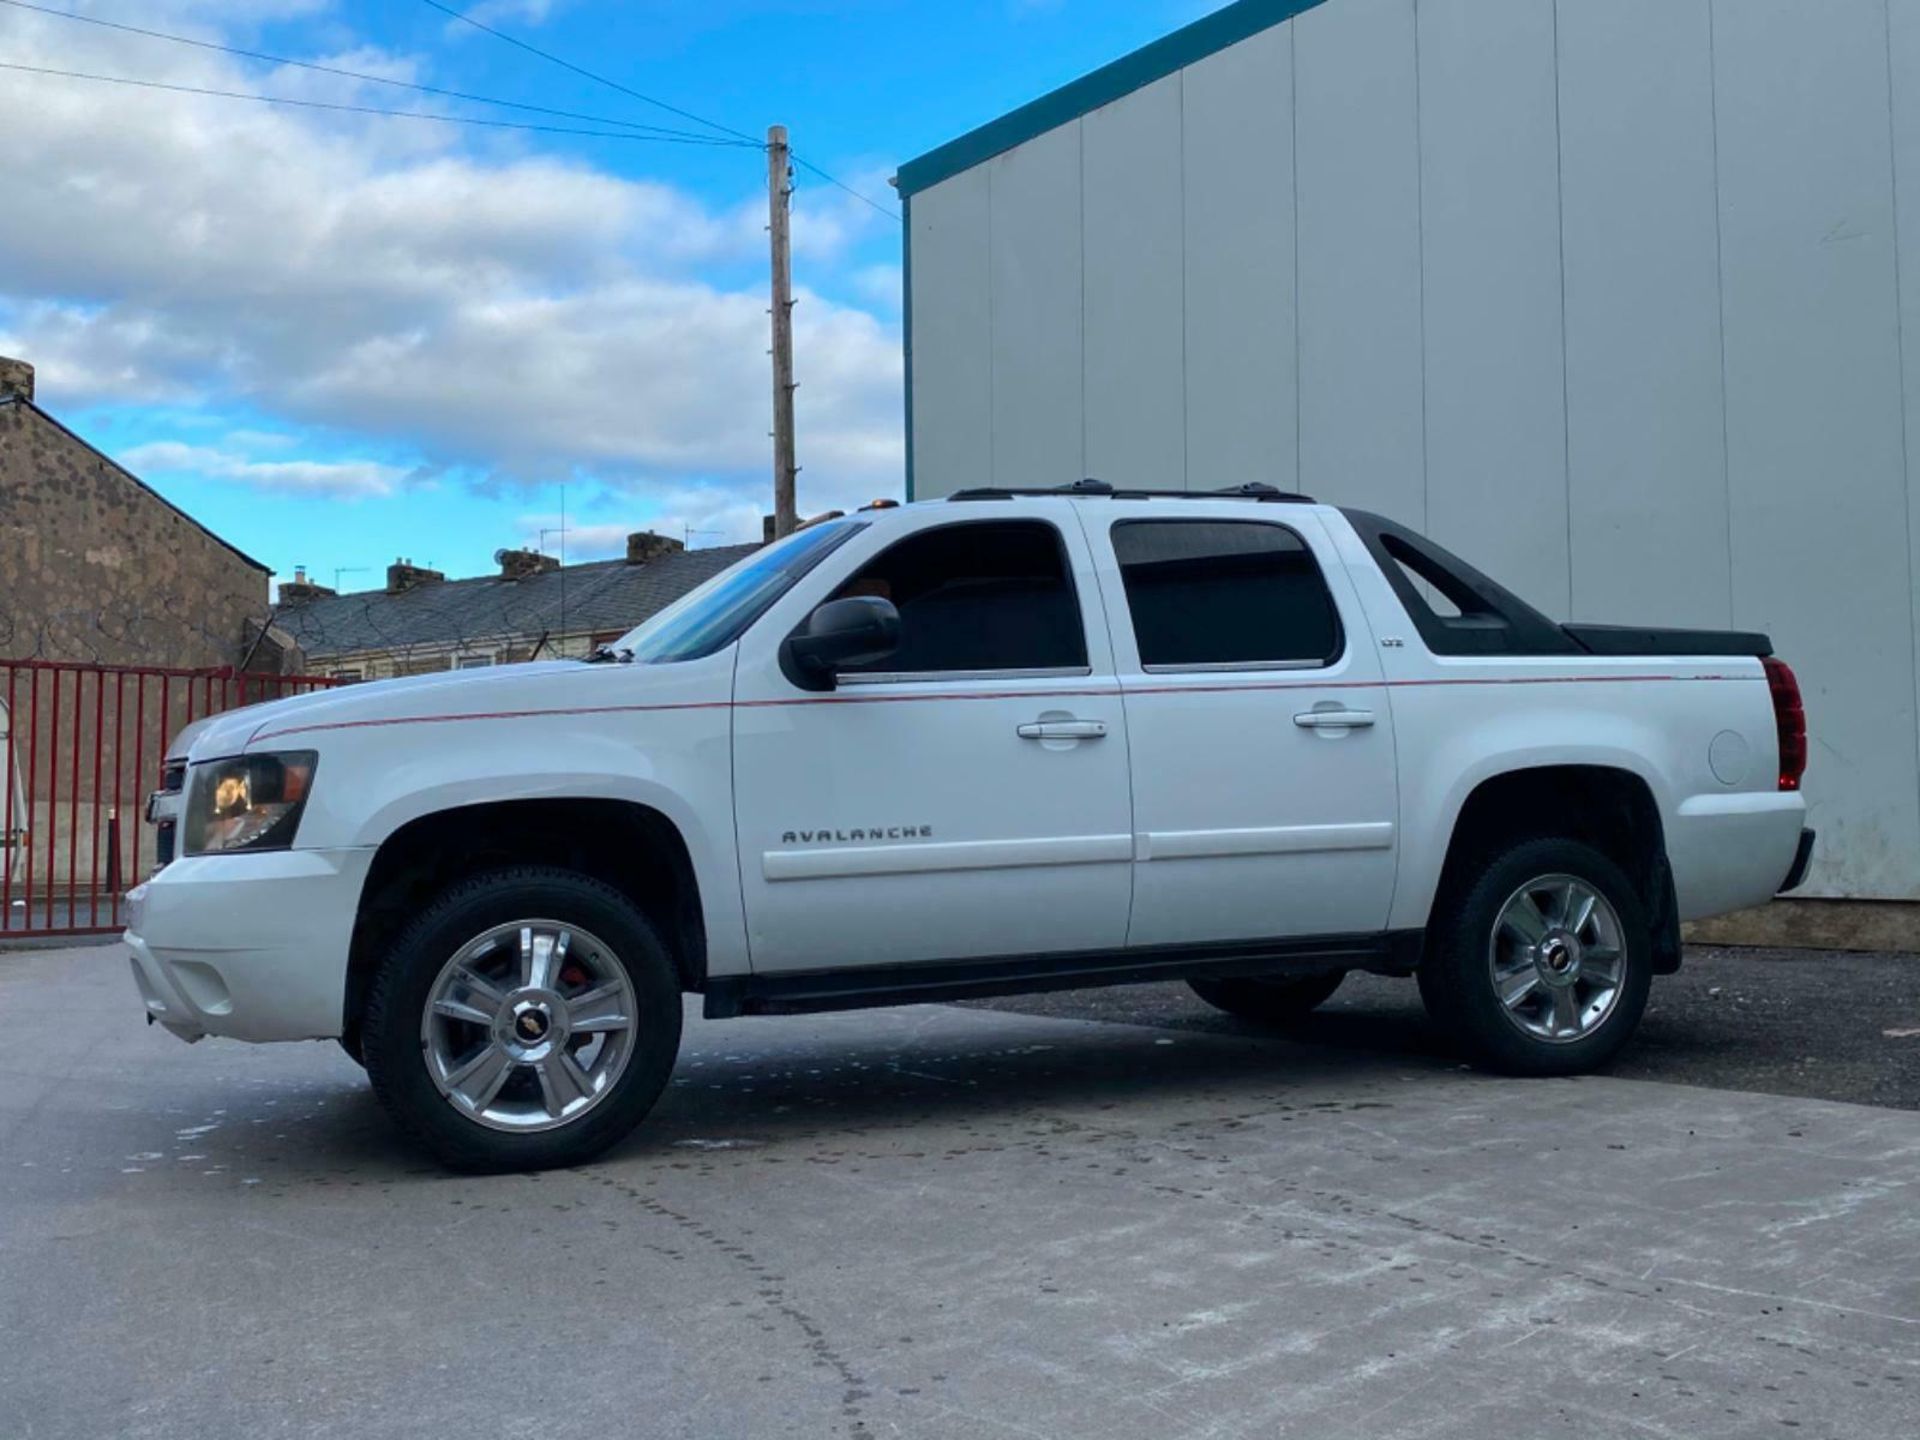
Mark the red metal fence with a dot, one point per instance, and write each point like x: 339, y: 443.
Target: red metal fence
x: 80, y: 748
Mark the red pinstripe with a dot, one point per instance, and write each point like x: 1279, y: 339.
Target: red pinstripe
x: 1076, y: 694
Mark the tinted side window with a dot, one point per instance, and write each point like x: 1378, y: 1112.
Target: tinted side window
x: 1228, y: 592
x: 977, y: 596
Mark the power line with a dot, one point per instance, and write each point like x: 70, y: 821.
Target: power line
x: 664, y: 139
x: 342, y: 72
x: 580, y: 70
x: 805, y: 164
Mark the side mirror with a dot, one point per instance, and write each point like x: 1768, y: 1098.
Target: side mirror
x: 840, y: 633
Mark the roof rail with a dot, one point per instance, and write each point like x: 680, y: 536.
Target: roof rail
x: 1101, y: 490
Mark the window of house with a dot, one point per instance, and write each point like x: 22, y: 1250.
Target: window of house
x: 1224, y: 593
x: 348, y: 677
x: 474, y: 662
x: 981, y: 595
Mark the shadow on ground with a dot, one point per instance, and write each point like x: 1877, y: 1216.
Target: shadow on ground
x: 1819, y: 1025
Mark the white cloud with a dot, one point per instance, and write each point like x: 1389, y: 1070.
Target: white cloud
x: 333, y: 479
x: 262, y: 439
x: 581, y: 542
x: 882, y: 286
x: 698, y: 517
x: 500, y: 12
x: 493, y: 309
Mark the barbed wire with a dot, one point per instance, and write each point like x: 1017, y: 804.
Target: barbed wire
x: 180, y: 630
x: 154, y: 629
x: 182, y: 625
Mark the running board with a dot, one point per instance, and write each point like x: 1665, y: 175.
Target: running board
x: 932, y: 982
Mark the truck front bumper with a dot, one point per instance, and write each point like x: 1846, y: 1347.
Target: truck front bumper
x: 253, y: 947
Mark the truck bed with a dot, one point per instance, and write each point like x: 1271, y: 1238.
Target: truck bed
x: 1646, y: 640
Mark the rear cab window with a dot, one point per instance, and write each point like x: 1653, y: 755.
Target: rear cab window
x: 1209, y: 594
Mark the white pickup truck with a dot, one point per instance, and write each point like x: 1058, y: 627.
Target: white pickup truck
x: 1004, y: 742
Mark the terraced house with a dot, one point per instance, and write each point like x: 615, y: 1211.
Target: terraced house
x: 534, y: 608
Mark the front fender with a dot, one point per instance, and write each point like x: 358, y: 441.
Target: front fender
x: 658, y: 738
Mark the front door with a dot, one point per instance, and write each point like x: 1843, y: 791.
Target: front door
x: 966, y: 797
x: 1265, y: 797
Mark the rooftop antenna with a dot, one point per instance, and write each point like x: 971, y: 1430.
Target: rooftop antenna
x: 340, y: 570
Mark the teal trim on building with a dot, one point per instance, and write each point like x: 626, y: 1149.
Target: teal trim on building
x: 1229, y: 26
x: 906, y: 324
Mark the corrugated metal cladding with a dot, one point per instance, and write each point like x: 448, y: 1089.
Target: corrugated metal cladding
x: 1604, y: 294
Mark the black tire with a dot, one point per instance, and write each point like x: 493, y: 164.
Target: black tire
x: 390, y: 1030
x: 1282, y: 1000
x: 1456, y: 974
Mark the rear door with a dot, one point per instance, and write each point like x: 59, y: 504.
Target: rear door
x: 962, y: 799
x: 1261, y: 740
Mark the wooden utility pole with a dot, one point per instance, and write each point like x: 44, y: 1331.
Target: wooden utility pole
x: 780, y: 205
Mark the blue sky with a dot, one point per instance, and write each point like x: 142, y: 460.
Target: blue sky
x: 339, y: 339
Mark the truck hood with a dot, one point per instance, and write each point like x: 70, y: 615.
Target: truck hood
x: 541, y: 685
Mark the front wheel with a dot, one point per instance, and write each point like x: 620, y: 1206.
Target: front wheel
x: 1540, y: 963
x: 529, y: 1018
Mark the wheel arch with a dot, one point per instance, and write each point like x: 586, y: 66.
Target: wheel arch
x: 635, y: 848
x: 1609, y: 807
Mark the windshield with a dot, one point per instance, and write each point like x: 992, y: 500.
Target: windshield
x: 718, y: 613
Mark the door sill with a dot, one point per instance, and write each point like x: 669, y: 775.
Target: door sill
x: 803, y: 992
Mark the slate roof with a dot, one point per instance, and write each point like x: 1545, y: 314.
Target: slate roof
x: 575, y: 600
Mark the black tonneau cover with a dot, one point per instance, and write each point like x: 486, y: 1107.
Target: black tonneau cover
x: 1642, y: 640
x: 1492, y: 620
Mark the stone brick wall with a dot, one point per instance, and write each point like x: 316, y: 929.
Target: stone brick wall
x: 94, y: 567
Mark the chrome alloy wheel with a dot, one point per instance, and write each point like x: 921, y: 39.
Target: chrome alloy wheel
x: 529, y: 1026
x: 1558, y: 958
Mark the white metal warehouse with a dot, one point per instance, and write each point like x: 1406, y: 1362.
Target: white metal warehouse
x: 1605, y: 295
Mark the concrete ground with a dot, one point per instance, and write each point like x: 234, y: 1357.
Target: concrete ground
x: 943, y: 1222
x: 1815, y: 1023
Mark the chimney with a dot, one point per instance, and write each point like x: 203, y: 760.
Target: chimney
x: 519, y: 564
x: 300, y: 589
x: 767, y: 525
x: 16, y: 379
x: 404, y: 575
x: 644, y: 545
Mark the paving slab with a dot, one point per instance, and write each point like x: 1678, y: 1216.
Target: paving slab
x: 942, y: 1222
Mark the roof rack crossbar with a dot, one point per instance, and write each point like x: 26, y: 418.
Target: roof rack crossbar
x: 1101, y: 490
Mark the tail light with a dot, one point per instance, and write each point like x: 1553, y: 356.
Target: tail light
x: 1790, y: 719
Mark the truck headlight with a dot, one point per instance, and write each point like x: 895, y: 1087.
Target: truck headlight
x: 251, y: 802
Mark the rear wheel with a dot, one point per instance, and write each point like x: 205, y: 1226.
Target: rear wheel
x: 1540, y: 962
x: 528, y: 1018
x: 1277, y: 1001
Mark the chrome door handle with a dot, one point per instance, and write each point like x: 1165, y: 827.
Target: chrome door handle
x: 1064, y: 730
x: 1334, y: 719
